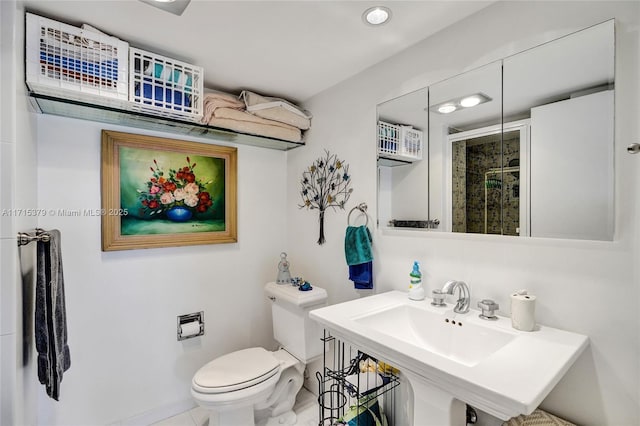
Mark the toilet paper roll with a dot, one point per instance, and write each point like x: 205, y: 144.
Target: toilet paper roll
x: 190, y: 328
x: 523, y: 311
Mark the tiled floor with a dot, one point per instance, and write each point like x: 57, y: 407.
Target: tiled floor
x: 195, y: 417
x: 306, y: 409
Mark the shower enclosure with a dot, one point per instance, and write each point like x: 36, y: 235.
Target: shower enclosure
x: 488, y: 193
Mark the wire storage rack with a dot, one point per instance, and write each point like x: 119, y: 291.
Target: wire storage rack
x: 354, y: 388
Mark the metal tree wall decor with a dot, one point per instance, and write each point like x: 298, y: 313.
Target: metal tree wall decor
x: 325, y: 184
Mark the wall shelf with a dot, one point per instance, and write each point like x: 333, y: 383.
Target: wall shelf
x: 113, y: 112
x: 389, y: 160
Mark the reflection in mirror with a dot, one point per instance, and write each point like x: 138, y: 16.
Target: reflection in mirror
x: 522, y: 146
x: 403, y: 166
x: 565, y: 88
x: 465, y: 128
x: 486, y: 182
x: 543, y: 166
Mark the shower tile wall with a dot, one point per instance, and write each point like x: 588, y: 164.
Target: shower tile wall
x: 471, y: 160
x: 459, y: 186
x: 511, y: 185
x: 480, y: 158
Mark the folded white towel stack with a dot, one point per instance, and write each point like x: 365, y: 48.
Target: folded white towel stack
x: 276, y: 109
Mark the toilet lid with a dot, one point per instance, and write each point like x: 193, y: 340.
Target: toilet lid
x: 237, y: 370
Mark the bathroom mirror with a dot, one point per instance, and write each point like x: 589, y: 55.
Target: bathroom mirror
x: 403, y: 172
x: 565, y: 89
x: 523, y: 146
x: 465, y: 135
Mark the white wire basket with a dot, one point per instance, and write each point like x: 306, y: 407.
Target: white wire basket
x: 61, y: 58
x: 398, y: 141
x: 164, y: 86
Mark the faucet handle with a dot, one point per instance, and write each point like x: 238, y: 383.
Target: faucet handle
x: 438, y: 298
x: 488, y: 307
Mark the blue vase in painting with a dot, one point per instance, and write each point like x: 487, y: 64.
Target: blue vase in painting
x: 179, y: 214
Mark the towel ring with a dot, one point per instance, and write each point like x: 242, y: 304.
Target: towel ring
x: 362, y: 207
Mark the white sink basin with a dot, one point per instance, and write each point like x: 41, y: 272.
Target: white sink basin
x: 460, y: 341
x: 449, y: 357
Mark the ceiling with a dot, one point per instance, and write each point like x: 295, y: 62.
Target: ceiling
x: 290, y: 49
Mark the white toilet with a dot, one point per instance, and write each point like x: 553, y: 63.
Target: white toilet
x: 258, y: 387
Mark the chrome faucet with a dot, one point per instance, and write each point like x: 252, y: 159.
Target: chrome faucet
x: 464, y: 295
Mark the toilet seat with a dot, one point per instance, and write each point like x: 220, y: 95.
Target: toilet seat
x: 236, y: 371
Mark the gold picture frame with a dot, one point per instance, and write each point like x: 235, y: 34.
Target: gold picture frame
x: 159, y: 192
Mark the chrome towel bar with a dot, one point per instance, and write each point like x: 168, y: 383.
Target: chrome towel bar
x: 25, y: 238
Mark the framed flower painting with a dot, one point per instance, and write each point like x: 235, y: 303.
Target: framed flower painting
x: 159, y: 192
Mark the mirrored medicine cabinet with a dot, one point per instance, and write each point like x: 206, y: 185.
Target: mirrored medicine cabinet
x: 520, y: 147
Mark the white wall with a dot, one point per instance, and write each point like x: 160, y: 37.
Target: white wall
x: 582, y: 286
x: 17, y: 191
x: 122, y: 306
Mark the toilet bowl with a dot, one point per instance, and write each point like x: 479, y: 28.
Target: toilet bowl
x: 250, y: 386
x: 255, y: 386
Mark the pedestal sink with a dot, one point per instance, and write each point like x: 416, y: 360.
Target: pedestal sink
x: 451, y: 359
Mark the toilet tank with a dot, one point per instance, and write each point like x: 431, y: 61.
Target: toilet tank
x: 292, y: 327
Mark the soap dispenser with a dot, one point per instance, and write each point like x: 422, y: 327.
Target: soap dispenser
x: 416, y: 291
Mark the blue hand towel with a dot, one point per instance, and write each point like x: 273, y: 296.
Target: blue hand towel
x: 357, y: 245
x: 359, y: 256
x: 362, y: 275
x: 163, y: 94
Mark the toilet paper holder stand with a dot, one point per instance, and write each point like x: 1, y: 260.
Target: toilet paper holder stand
x: 189, y: 318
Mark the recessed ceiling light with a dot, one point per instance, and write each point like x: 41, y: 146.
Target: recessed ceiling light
x: 376, y: 15
x: 164, y: 1
x: 467, y: 101
x: 470, y: 101
x: 446, y: 109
